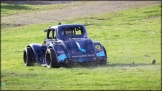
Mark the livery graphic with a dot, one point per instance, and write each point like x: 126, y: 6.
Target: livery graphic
x: 97, y: 47
x: 83, y: 50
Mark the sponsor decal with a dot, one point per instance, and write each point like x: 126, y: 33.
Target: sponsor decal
x: 83, y: 50
x: 90, y: 55
x: 62, y: 57
x: 97, y: 47
x: 60, y: 52
x: 100, y: 53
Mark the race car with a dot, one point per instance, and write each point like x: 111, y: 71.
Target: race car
x: 65, y: 45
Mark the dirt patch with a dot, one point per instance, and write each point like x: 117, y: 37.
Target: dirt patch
x: 36, y: 2
x: 90, y: 8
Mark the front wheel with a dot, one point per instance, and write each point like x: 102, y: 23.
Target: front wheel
x: 51, y: 59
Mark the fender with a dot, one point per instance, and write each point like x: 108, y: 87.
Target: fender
x: 39, y: 52
x: 60, y: 52
x: 99, y: 49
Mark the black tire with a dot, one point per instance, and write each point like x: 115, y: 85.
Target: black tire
x: 51, y: 59
x: 28, y: 57
x: 104, y: 62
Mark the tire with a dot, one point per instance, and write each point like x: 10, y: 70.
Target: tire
x: 51, y: 59
x: 104, y: 62
x: 28, y: 57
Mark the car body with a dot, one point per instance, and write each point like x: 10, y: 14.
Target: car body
x: 65, y: 44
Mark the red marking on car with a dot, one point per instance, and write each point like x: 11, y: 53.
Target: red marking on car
x: 99, y: 49
x: 60, y: 52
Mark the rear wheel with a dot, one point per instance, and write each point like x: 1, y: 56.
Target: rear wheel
x: 105, y: 61
x: 28, y: 57
x: 51, y: 59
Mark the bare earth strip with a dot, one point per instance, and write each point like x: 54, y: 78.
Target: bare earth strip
x: 93, y: 7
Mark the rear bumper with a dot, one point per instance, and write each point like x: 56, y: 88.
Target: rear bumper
x: 85, y: 60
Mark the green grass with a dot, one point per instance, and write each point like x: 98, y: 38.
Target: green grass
x: 129, y: 35
x: 91, y: 78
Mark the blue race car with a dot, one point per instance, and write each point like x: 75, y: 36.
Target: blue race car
x: 65, y: 45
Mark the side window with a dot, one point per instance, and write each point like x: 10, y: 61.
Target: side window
x: 50, y: 34
x: 54, y: 33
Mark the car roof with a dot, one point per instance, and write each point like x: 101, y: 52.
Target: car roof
x: 66, y: 25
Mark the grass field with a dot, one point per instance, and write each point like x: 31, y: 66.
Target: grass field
x: 132, y: 35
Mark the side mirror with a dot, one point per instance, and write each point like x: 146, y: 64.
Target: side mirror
x: 45, y: 30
